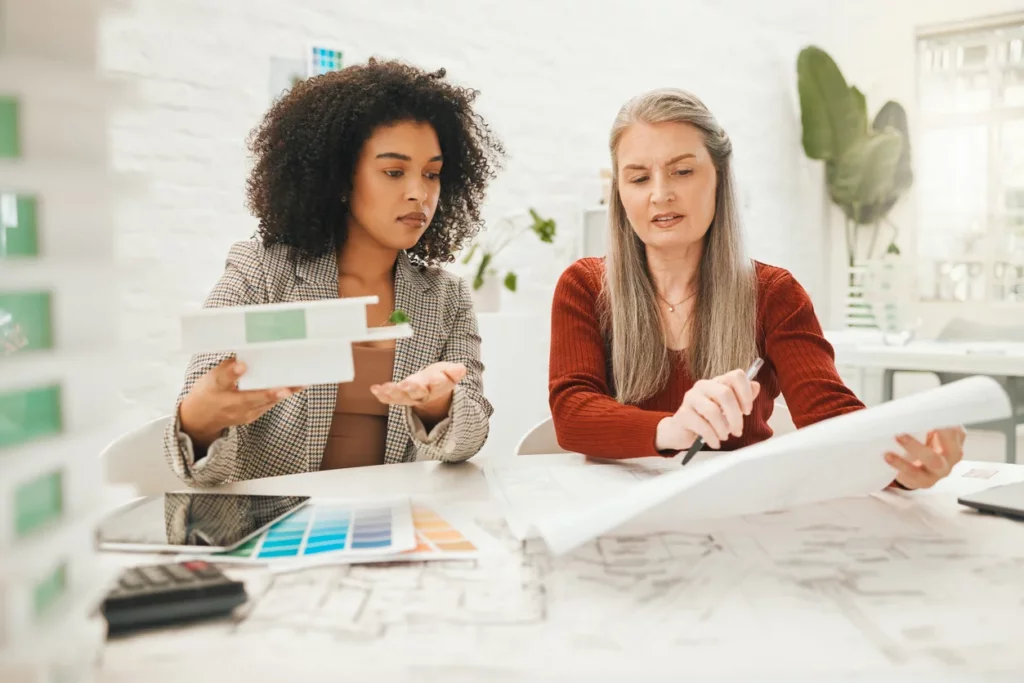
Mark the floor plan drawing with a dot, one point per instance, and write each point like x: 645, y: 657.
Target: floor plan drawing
x: 854, y: 585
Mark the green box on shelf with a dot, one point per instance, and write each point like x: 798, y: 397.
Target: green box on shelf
x: 19, y: 227
x: 38, y: 502
x: 10, y: 133
x: 273, y: 326
x: 50, y: 590
x: 31, y: 316
x: 30, y: 414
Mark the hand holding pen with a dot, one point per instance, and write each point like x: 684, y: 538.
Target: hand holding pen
x: 712, y: 411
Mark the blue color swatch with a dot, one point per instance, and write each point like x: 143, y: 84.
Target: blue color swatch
x: 320, y: 529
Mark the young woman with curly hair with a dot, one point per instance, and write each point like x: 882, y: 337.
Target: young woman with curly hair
x: 365, y: 181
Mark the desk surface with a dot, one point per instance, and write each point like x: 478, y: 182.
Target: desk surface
x: 888, y: 583
x: 971, y: 358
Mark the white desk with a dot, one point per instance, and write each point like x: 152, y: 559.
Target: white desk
x: 1002, y: 361
x: 839, y: 604
x: 933, y: 356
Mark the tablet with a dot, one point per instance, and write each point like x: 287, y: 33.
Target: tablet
x: 183, y: 522
x: 1006, y: 500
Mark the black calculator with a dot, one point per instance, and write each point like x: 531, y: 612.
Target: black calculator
x: 166, y: 594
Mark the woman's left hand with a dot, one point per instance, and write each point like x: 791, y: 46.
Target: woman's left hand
x: 428, y: 392
x: 923, y: 464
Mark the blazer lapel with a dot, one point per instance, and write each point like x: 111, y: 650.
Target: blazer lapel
x: 414, y: 353
x: 317, y: 279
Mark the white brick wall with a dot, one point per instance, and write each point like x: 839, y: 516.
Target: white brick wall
x: 551, y: 72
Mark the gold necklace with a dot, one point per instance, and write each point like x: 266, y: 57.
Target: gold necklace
x: 671, y: 306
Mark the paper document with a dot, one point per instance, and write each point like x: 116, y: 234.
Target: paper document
x: 832, y: 459
x: 526, y: 491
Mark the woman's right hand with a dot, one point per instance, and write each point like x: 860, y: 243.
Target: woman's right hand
x: 712, y: 409
x: 215, y: 403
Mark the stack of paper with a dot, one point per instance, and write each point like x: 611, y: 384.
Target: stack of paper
x: 288, y: 344
x: 833, y: 459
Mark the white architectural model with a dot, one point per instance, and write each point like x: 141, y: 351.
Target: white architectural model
x: 288, y: 344
x: 57, y: 193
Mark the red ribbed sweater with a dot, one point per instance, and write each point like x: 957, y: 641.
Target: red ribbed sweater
x: 799, y: 363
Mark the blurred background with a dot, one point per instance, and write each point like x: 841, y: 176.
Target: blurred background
x: 551, y: 76
x: 183, y: 82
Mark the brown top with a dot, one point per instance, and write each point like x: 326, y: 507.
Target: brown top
x: 359, y: 428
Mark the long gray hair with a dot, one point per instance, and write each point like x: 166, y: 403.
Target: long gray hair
x: 724, y: 320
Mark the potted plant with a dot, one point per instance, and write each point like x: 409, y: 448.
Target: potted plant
x: 867, y: 168
x: 487, y: 277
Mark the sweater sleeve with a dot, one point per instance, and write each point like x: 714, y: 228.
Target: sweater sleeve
x: 803, y: 359
x: 587, y: 418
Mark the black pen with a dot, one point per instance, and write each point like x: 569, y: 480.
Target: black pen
x: 699, y: 443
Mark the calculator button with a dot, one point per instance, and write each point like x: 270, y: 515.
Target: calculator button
x: 203, y: 569
x: 131, y: 579
x: 117, y: 592
x: 179, y: 573
x: 155, y: 576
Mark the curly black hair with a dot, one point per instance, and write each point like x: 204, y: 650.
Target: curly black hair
x: 307, y: 145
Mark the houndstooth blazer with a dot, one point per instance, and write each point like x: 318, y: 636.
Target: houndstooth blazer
x: 291, y: 437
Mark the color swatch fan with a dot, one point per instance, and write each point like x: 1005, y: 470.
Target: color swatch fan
x: 337, y: 527
x: 441, y: 534
x: 288, y: 344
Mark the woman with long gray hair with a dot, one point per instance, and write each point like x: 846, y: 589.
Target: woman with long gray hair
x: 650, y: 345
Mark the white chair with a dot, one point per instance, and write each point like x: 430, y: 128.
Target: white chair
x: 540, y: 440
x: 137, y: 458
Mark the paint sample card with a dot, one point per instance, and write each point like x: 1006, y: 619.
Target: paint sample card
x: 331, y: 527
x: 440, y: 535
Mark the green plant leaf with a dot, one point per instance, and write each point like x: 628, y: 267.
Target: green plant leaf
x: 544, y: 228
x: 865, y: 174
x: 861, y: 104
x: 481, y: 271
x: 398, y: 317
x: 828, y: 109
x: 470, y: 254
x: 510, y: 282
x: 893, y: 117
